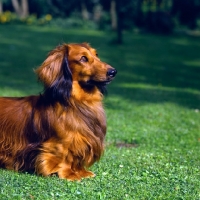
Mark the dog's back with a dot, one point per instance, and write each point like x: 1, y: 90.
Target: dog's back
x: 20, y: 131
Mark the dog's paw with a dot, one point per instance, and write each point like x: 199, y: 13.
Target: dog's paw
x: 69, y: 175
x: 86, y: 174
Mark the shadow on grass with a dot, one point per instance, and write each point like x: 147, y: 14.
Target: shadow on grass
x: 141, y: 95
x: 151, y: 69
x: 156, y: 69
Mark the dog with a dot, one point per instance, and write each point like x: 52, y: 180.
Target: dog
x: 62, y: 130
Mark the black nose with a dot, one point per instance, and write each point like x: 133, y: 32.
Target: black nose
x: 111, y: 72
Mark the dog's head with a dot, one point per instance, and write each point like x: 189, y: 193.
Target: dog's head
x: 70, y: 63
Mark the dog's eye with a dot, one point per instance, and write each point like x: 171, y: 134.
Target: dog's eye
x: 84, y: 59
x: 97, y: 55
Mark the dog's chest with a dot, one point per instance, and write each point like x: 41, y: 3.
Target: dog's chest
x: 83, y: 119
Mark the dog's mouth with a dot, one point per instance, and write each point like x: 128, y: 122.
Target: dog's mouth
x: 101, y: 85
x: 98, y: 83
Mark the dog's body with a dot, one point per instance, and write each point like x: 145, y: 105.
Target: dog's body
x: 62, y: 130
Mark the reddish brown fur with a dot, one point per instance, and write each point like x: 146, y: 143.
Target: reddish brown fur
x: 62, y: 130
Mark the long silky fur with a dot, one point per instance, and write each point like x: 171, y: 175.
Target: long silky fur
x: 60, y: 131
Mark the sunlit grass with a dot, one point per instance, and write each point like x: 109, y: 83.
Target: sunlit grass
x: 153, y: 114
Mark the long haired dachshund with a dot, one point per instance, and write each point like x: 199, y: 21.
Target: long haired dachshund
x: 62, y: 130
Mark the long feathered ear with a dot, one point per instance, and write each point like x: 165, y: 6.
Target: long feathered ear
x: 56, y: 76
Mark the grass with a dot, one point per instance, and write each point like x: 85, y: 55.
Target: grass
x: 153, y: 115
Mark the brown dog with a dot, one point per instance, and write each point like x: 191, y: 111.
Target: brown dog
x: 62, y: 130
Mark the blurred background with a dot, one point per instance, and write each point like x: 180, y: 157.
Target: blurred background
x: 155, y: 16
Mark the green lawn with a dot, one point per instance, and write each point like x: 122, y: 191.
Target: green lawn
x: 153, y: 115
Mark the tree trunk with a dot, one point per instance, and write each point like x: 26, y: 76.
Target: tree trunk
x: 16, y: 7
x: 24, y: 6
x: 97, y: 13
x: 113, y: 15
x: 84, y: 11
x: 1, y: 7
x: 21, y: 10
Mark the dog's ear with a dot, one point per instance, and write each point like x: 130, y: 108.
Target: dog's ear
x: 56, y: 76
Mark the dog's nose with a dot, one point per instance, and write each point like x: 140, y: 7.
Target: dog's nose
x: 111, y: 72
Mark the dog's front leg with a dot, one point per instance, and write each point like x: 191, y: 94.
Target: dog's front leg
x: 58, y: 158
